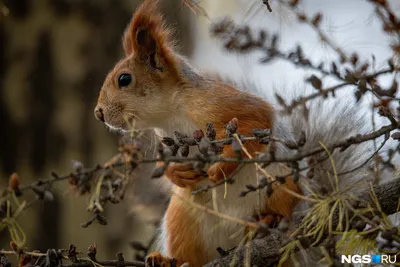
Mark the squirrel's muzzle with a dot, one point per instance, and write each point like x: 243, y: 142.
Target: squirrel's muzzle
x: 98, y: 113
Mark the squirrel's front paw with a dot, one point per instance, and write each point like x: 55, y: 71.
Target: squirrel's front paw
x: 155, y: 259
x: 220, y: 170
x: 215, y: 173
x: 183, y: 174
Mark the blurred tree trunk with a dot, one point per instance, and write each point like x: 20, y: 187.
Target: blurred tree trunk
x: 54, y: 57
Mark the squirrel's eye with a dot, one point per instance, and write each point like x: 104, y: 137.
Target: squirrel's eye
x: 124, y: 80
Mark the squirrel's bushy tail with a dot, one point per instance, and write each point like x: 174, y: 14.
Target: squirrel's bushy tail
x: 328, y: 122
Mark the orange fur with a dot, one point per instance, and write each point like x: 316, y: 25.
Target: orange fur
x: 184, y: 241
x: 157, y: 259
x: 240, y: 105
x: 182, y: 175
x: 281, y: 202
x: 157, y: 37
x: 166, y: 93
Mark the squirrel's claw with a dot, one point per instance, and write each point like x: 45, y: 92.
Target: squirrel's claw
x: 215, y: 173
x: 155, y: 259
x: 220, y: 170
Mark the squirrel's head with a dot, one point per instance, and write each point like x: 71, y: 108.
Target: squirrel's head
x: 141, y: 87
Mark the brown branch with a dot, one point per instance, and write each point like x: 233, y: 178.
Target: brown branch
x: 314, y: 23
x: 27, y: 256
x: 113, y: 263
x: 266, y: 2
x: 263, y: 252
x: 85, y: 176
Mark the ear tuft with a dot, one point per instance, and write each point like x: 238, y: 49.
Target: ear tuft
x: 127, y: 42
x: 147, y: 38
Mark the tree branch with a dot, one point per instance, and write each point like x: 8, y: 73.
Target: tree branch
x: 266, y: 251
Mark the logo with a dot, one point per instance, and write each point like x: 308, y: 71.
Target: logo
x: 377, y: 259
x: 374, y: 259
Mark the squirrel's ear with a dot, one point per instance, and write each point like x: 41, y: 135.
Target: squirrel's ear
x: 148, y: 39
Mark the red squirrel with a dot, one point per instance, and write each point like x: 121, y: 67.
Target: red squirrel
x: 155, y: 87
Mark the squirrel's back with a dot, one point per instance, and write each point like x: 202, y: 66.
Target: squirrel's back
x: 325, y: 123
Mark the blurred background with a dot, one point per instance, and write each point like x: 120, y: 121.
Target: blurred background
x: 54, y: 56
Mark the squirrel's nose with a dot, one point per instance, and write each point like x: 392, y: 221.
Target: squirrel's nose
x: 98, y: 113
